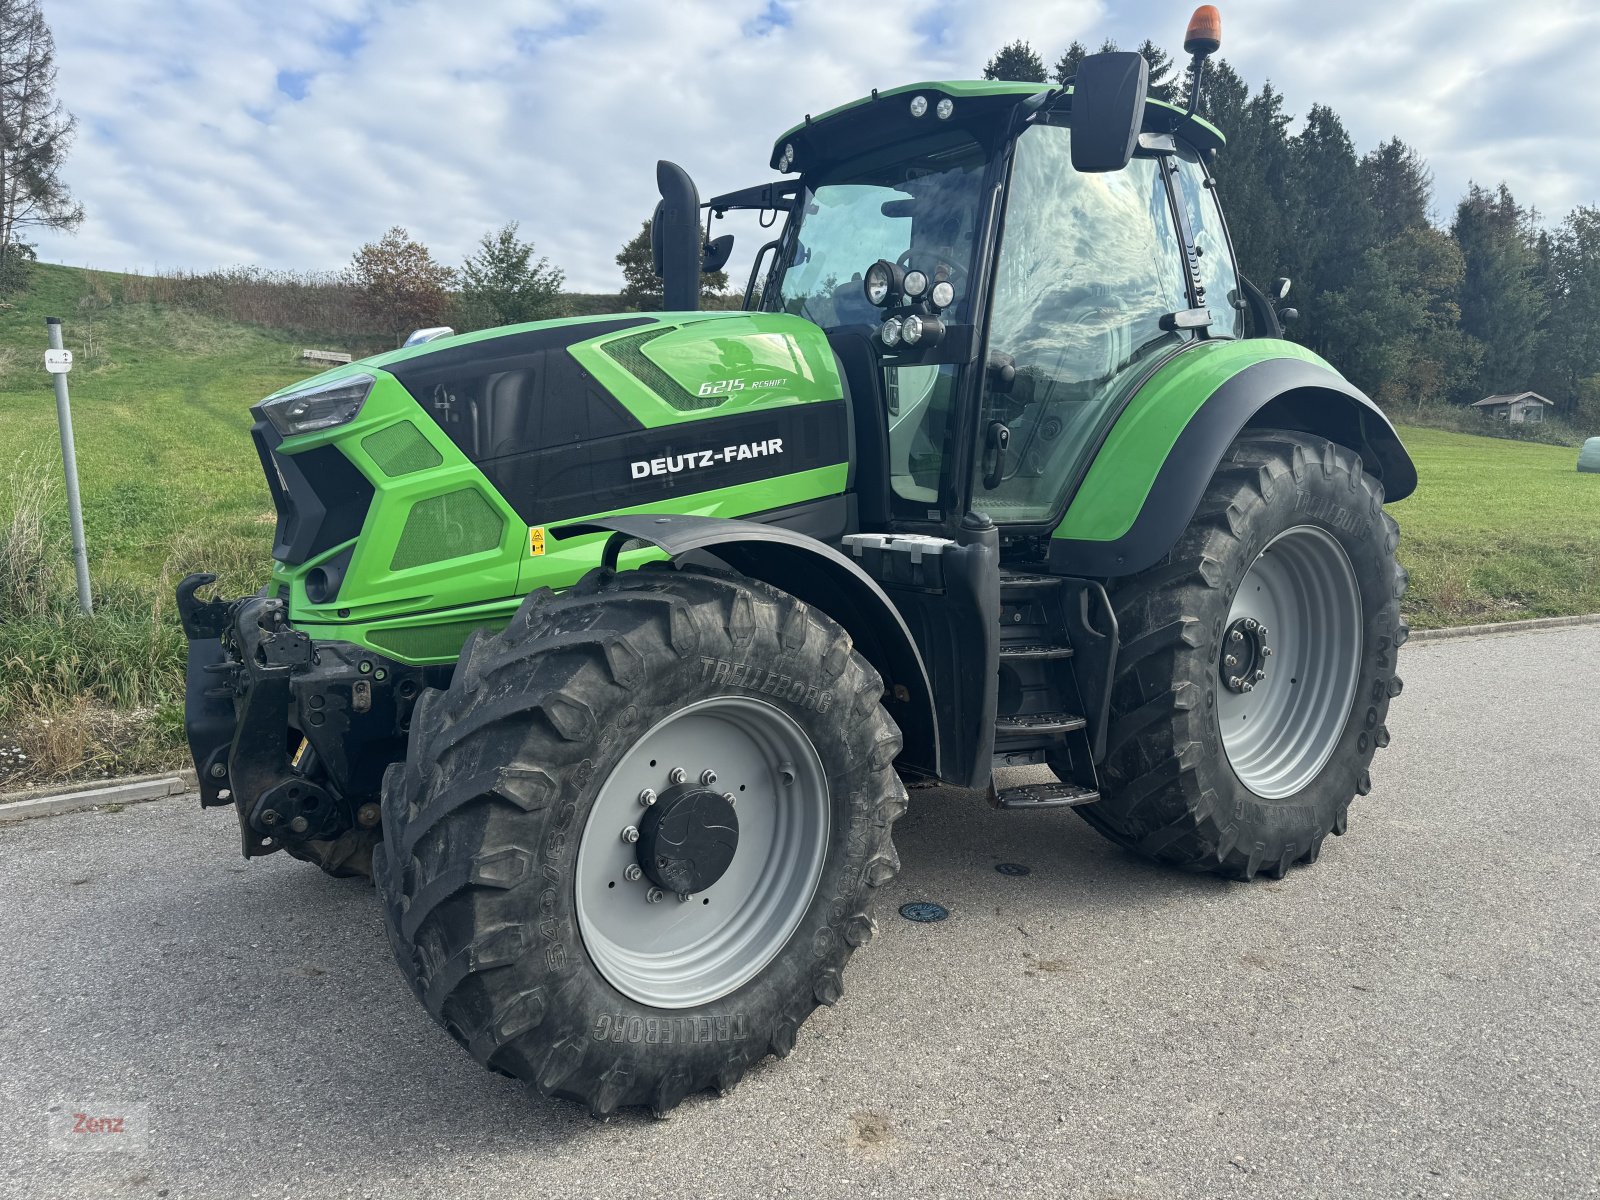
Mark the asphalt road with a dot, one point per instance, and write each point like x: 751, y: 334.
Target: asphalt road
x: 1416, y: 1015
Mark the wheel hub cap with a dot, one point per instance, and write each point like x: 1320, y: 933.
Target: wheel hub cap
x: 688, y: 838
x: 1244, y: 655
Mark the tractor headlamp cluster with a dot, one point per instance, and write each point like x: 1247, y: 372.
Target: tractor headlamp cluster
x: 786, y: 160
x: 335, y: 403
x: 888, y: 285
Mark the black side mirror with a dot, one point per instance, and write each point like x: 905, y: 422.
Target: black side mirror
x: 1108, y: 97
x: 676, y: 239
x: 717, y: 253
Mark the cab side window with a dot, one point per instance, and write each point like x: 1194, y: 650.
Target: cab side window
x: 1218, y: 274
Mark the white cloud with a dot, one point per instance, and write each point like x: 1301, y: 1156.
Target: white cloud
x: 452, y: 118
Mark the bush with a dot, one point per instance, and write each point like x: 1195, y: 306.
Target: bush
x: 1456, y: 419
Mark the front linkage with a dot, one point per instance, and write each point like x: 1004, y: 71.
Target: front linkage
x: 295, y: 734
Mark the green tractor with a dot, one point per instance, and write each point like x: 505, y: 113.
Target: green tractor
x: 607, y: 645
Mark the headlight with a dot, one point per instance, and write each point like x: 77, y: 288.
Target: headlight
x: 889, y: 332
x: 922, y: 331
x: 946, y: 107
x: 335, y: 403
x: 916, y: 283
x: 882, y: 281
x: 919, y: 106
x: 943, y: 294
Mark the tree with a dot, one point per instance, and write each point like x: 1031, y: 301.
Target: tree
x: 1571, y: 260
x: 1067, y: 64
x: 401, y: 287
x: 1399, y: 187
x: 1332, y: 220
x: 1018, y: 61
x: 503, y: 284
x: 1163, y: 82
x: 641, y: 286
x: 35, y: 134
x: 1500, y: 302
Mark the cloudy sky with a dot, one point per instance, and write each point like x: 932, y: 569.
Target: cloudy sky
x: 285, y: 133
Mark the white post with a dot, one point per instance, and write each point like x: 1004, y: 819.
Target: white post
x: 58, y: 362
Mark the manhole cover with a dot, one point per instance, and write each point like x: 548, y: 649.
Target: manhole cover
x: 1013, y: 869
x: 924, y: 911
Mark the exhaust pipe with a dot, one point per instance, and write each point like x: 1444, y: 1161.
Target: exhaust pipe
x: 675, y: 238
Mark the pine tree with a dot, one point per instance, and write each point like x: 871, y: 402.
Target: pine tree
x: 1572, y: 347
x: 1164, y: 79
x: 1067, y: 64
x: 1017, y: 61
x: 35, y: 135
x: 1399, y: 186
x: 503, y: 284
x: 1500, y: 302
x: 641, y: 286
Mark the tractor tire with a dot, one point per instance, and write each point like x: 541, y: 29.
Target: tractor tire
x: 1290, y: 553
x: 638, y: 734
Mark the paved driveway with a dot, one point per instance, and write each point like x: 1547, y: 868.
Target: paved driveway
x: 1416, y: 1015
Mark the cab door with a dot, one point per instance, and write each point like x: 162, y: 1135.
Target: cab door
x: 1091, y: 268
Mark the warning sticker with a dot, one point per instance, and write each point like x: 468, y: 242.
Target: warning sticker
x: 535, y: 540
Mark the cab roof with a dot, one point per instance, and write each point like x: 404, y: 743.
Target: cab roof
x: 974, y: 99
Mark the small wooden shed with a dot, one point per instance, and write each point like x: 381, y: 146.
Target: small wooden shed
x: 1517, y: 408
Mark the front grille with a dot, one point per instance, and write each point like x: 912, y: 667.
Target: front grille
x: 420, y: 643
x: 401, y: 450
x: 447, y: 526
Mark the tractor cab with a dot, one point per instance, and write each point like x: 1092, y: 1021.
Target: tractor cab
x: 992, y: 302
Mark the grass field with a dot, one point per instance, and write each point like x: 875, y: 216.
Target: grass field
x: 1497, y: 531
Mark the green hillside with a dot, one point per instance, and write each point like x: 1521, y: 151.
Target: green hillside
x: 1498, y: 530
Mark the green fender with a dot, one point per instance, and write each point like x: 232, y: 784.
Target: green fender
x: 1147, y: 479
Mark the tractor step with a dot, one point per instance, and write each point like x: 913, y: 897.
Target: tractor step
x: 1035, y: 651
x: 1037, y: 724
x: 1009, y: 581
x: 1042, y: 795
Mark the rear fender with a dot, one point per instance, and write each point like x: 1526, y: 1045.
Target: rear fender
x: 820, y: 576
x: 1103, y: 538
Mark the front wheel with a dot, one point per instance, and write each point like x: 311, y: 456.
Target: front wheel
x: 633, y: 845
x: 1257, y: 665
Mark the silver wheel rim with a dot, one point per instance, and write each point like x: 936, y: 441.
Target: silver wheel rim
x: 680, y: 952
x: 1281, y: 732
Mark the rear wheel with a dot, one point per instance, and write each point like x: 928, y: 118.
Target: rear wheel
x: 1257, y: 665
x: 633, y: 845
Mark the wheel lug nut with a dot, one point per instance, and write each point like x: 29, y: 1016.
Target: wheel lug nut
x: 728, y: 796
x: 1262, y: 630
x: 655, y: 896
x: 1236, y: 636
x: 1266, y: 652
x: 632, y: 873
x: 1230, y: 661
x: 684, y: 897
x: 647, y: 797
x: 630, y: 834
x: 677, y: 775
x: 708, y: 777
x: 1248, y: 686
x: 1250, y: 624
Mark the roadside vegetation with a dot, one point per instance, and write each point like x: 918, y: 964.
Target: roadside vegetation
x: 171, y: 484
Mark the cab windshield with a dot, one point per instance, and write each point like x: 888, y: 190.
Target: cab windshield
x: 912, y: 205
